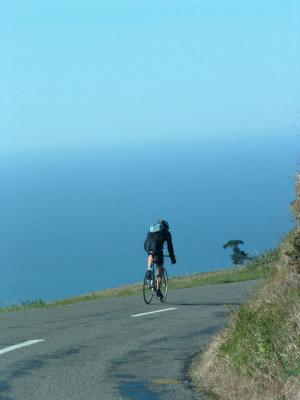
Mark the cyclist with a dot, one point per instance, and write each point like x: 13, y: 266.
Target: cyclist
x: 158, y: 235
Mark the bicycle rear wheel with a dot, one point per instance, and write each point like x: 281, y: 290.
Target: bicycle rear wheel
x: 148, y: 290
x: 164, y: 285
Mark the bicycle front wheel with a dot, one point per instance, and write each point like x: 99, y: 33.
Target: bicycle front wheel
x: 148, y: 290
x: 164, y: 285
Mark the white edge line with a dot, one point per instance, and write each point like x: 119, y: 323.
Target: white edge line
x: 153, y: 312
x: 20, y: 345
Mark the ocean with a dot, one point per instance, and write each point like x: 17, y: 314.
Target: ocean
x: 74, y: 220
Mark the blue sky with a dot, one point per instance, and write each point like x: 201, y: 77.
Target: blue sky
x: 84, y: 73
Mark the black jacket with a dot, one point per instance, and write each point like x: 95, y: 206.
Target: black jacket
x: 155, y: 242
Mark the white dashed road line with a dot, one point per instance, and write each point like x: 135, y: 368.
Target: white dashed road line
x: 20, y: 345
x: 153, y: 312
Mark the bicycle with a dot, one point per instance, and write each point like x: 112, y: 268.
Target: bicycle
x: 150, y: 285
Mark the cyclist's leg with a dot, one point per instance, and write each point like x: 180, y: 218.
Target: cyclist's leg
x: 160, y: 268
x: 150, y: 260
x: 159, y: 275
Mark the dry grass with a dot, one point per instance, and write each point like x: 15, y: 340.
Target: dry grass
x: 258, y: 356
x: 218, y: 379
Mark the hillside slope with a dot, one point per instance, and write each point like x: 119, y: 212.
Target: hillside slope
x: 258, y: 356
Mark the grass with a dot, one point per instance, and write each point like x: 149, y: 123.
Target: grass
x: 262, y: 337
x: 258, y: 356
x: 114, y: 292
x: 260, y: 267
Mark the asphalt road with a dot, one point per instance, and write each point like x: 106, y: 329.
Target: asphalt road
x: 99, y: 351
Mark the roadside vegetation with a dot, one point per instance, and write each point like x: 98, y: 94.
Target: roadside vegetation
x: 260, y: 267
x: 258, y: 355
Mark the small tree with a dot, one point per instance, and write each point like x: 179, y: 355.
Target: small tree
x: 238, y: 256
